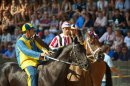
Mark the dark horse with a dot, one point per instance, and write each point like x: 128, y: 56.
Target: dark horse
x: 50, y: 73
x: 92, y: 77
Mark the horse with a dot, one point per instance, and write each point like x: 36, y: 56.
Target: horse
x: 51, y: 73
x: 77, y: 77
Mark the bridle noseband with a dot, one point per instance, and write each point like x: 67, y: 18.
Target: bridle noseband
x: 93, y: 52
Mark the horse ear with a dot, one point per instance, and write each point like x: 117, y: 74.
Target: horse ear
x: 75, y: 39
x: 87, y: 34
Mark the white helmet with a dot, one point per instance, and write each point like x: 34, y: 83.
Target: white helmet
x: 65, y: 24
x: 73, y: 26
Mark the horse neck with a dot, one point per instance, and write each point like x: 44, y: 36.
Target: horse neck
x: 59, y: 69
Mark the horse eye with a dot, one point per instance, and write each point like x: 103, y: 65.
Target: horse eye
x: 92, y: 43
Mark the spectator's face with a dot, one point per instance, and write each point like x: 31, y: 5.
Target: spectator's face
x: 17, y: 32
x: 124, y: 50
x: 109, y: 30
x: 79, y: 1
x: 89, y: 1
x: 118, y: 49
x: 92, y: 29
x: 65, y: 0
x: 4, y: 2
x: 10, y: 48
x: 101, y: 0
x: 74, y: 1
x: 128, y: 34
x: 83, y: 14
x: 117, y: 13
x: 120, y: 0
x: 13, y: 2
x: 21, y: 1
x: 66, y: 31
x: 116, y: 33
x: 127, y: 14
x: 53, y: 1
x: 54, y: 18
x: 44, y: 1
x: 46, y: 15
x: 33, y: 18
x: 100, y: 15
x: 87, y: 18
x: 26, y: 3
x: 46, y: 33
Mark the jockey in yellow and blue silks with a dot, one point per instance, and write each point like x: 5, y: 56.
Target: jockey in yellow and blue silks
x: 28, y: 53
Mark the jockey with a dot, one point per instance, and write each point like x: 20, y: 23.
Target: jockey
x: 73, y: 30
x: 27, y: 54
x: 63, y: 39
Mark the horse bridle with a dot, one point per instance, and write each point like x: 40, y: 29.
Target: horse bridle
x: 93, y: 52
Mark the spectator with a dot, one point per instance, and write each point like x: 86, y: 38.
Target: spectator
x: 118, y: 39
x: 3, y: 49
x: 124, y: 55
x: 116, y: 54
x: 72, y: 21
x: 45, y: 22
x: 19, y: 22
x: 4, y: 20
x: 63, y: 18
x: 40, y: 35
x: 27, y: 11
x: 10, y: 24
x: 107, y: 37
x: 14, y: 9
x: 123, y: 6
x: 102, y: 5
x: 80, y: 21
x: 91, y: 29
x: 105, y: 49
x: 127, y: 40
x: 48, y: 37
x: 100, y: 24
x: 45, y: 7
x: 91, y: 8
x: 54, y: 25
x: 35, y: 8
x: 15, y: 37
x: 35, y: 23
x: 118, y: 20
x: 55, y: 8
x: 65, y: 8
x: 10, y: 53
x: 6, y: 37
x: 80, y: 7
x: 88, y: 23
x: 126, y: 24
x: 21, y: 8
x: 73, y: 12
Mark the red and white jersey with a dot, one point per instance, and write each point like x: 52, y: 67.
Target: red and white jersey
x: 55, y: 44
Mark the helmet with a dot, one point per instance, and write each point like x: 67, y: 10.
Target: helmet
x: 73, y: 26
x: 27, y: 26
x: 65, y: 24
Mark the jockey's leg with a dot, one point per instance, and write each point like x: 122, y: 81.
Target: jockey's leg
x: 32, y: 75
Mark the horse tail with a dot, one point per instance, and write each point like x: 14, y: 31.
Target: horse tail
x: 108, y: 76
x: 4, y: 75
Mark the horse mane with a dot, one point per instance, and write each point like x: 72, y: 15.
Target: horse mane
x: 56, y: 54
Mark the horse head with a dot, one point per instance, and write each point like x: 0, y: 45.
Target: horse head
x: 92, y: 46
x: 79, y: 52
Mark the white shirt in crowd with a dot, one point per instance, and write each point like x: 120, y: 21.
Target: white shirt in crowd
x: 107, y: 59
x: 36, y: 22
x: 127, y: 41
x: 6, y: 38
x: 100, y: 5
x: 102, y: 21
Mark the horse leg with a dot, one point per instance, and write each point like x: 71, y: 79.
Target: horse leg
x: 97, y: 72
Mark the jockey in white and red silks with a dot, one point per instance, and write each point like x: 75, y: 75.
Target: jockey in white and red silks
x: 63, y: 39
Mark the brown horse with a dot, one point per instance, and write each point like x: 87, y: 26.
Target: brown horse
x: 94, y: 75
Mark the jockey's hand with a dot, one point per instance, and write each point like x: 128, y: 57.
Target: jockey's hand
x: 61, y: 47
x: 50, y: 54
x: 44, y: 54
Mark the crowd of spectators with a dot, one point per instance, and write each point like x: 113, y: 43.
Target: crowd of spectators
x: 110, y: 21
